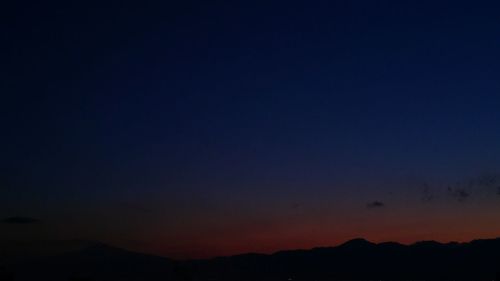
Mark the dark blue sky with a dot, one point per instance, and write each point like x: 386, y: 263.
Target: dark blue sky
x: 286, y: 115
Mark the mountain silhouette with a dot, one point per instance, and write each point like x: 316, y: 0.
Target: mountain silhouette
x: 94, y: 262
x: 357, y: 243
x: 357, y: 259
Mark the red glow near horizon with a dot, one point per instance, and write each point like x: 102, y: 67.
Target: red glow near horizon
x: 223, y: 245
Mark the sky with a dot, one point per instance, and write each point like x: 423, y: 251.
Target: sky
x: 195, y: 129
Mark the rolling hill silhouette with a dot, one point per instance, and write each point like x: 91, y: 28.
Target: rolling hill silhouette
x: 94, y: 262
x: 357, y: 259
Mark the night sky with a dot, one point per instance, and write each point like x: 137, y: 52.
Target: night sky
x: 197, y: 129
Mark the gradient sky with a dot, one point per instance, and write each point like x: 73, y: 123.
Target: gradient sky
x: 213, y: 128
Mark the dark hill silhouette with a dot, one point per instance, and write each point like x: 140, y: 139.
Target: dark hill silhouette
x: 20, y: 250
x: 357, y: 259
x: 360, y: 259
x: 95, y: 262
x: 358, y: 243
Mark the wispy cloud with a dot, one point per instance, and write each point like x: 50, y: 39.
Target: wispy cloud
x: 483, y: 185
x: 375, y: 204
x: 427, y: 193
x: 458, y: 193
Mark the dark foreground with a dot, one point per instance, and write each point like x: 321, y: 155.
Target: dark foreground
x: 355, y: 260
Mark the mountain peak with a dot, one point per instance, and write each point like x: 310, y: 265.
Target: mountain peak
x: 357, y: 242
x: 427, y: 243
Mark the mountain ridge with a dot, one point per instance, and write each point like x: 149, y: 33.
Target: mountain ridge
x: 356, y: 259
